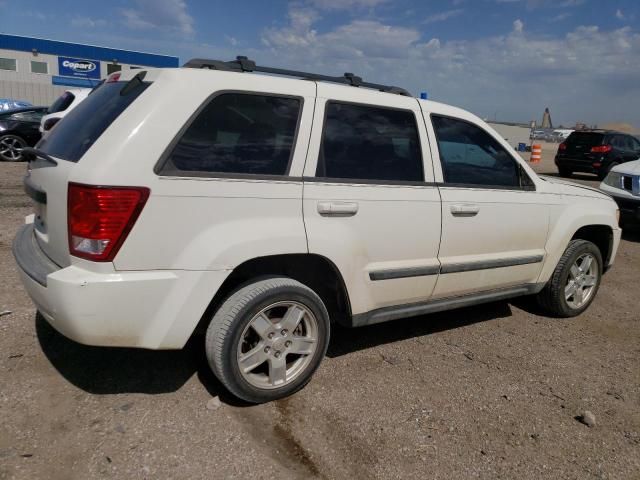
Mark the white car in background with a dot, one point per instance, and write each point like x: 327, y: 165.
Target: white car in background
x: 61, y: 107
x: 623, y: 184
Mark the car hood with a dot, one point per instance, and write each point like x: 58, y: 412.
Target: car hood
x: 628, y: 168
x: 565, y: 187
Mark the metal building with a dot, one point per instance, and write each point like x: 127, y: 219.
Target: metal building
x: 39, y: 70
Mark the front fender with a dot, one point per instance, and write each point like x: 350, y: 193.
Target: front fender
x: 568, y: 218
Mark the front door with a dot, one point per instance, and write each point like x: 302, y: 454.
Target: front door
x: 494, y: 223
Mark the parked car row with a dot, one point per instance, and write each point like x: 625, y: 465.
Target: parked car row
x: 614, y: 157
x: 22, y: 125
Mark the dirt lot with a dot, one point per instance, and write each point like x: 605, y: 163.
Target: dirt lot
x: 488, y: 392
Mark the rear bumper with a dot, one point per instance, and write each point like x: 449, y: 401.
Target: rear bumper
x: 147, y: 309
x: 578, y: 164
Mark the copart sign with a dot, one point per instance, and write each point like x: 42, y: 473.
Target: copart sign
x: 78, y: 67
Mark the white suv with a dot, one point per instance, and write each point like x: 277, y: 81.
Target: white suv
x: 263, y: 208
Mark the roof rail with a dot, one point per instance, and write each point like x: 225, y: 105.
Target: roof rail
x: 243, y: 64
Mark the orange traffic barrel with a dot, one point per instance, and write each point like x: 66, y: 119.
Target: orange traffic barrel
x: 536, y: 153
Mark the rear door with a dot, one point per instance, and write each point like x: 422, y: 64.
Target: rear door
x: 47, y: 182
x: 370, y: 204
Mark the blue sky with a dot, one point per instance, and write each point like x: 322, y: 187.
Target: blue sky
x: 498, y: 58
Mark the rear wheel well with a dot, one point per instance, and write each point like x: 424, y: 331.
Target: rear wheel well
x: 601, y: 236
x: 315, y: 271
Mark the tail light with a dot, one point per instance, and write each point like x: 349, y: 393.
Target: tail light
x: 100, y: 218
x: 562, y: 147
x: 49, y: 123
x: 601, y: 149
x: 114, y: 77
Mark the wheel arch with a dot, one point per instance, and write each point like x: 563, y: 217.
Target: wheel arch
x: 601, y: 236
x: 315, y: 271
x: 594, y: 228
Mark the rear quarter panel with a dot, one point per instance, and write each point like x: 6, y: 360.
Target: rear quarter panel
x: 198, y: 223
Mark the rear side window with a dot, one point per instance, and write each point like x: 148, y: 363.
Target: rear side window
x: 471, y: 156
x: 73, y: 136
x: 362, y: 142
x: 62, y: 103
x: 238, y: 133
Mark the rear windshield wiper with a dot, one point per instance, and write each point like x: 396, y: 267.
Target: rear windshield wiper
x: 33, y: 153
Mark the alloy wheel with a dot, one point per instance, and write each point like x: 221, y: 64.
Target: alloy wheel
x: 582, y: 281
x: 277, y: 345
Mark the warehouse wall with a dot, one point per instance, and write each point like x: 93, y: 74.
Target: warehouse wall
x: 24, y: 85
x: 34, y: 87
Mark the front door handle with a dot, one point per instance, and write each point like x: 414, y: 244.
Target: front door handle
x: 337, y: 209
x: 465, y: 210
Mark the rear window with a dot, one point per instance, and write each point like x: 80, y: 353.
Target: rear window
x: 585, y: 138
x: 62, y: 103
x: 84, y: 124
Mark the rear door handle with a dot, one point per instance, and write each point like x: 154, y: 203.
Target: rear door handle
x: 337, y: 209
x: 465, y: 210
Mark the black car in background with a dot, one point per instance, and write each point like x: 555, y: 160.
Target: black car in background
x: 595, y: 151
x: 18, y: 129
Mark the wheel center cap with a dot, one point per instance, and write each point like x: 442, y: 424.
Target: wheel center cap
x: 278, y: 343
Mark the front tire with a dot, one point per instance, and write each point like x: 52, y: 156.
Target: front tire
x: 267, y: 339
x: 575, y: 281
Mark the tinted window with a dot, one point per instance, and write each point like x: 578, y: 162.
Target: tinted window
x: 112, y: 67
x: 585, y: 138
x: 469, y: 155
x: 8, y: 64
x: 239, y: 133
x: 39, y: 67
x: 85, y: 123
x: 370, y: 143
x: 62, y: 102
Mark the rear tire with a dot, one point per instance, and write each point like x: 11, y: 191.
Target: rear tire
x: 267, y: 339
x: 574, y: 283
x: 604, y: 172
x: 11, y: 148
x: 564, y: 173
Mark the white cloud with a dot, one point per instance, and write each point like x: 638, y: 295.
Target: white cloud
x: 619, y: 14
x: 345, y: 4
x: 560, y: 17
x: 87, y: 22
x: 442, y: 16
x: 518, y: 26
x: 161, y: 14
x: 517, y: 73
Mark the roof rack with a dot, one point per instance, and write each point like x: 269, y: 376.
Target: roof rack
x: 243, y: 64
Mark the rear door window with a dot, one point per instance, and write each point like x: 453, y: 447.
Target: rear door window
x: 363, y: 142
x: 87, y: 122
x: 238, y: 133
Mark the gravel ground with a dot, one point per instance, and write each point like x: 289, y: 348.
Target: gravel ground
x: 488, y: 392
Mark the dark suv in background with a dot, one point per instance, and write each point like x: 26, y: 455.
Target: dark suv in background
x: 595, y: 151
